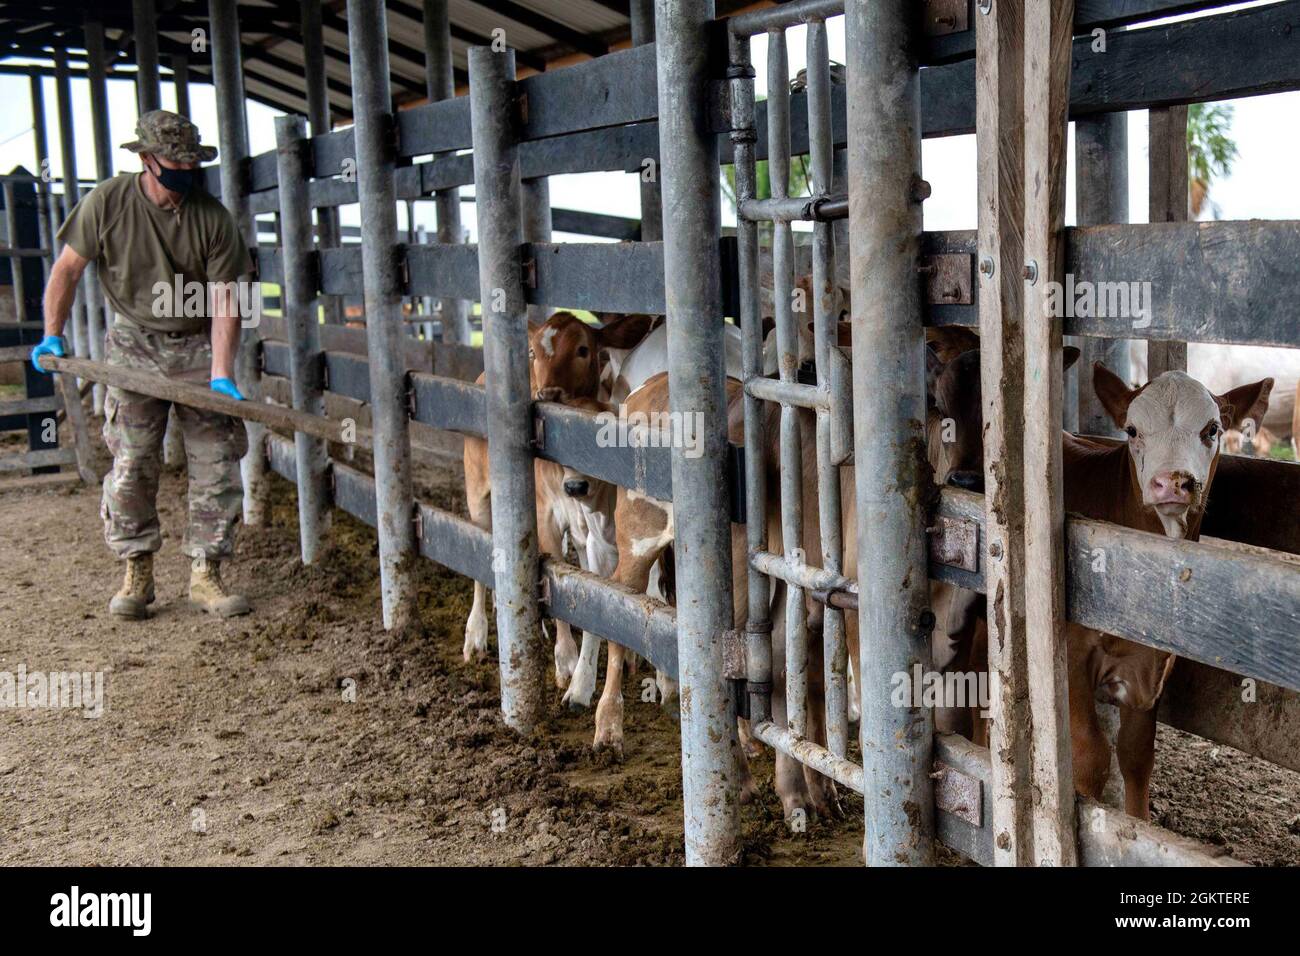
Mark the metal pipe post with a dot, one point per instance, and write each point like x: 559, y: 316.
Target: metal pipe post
x: 43, y: 194
x: 318, y: 114
x: 652, y: 213
x: 825, y: 320
x: 71, y: 195
x: 884, y: 161
x: 758, y: 624
x: 440, y: 80
x: 98, y: 316
x: 181, y: 80
x: 696, y: 382
x: 298, y: 305
x: 232, y: 138
x: 498, y: 194
x: 147, y: 84
x: 376, y: 193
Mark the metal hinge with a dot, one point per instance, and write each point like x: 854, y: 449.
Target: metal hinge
x: 958, y: 793
x: 955, y: 542
x: 403, y: 269
x: 947, y: 278
x: 943, y: 17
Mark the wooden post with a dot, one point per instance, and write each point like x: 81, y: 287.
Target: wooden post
x: 1167, y: 203
x: 1047, y: 41
x: 1000, y: 185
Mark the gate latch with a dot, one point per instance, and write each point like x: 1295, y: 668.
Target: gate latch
x: 955, y: 542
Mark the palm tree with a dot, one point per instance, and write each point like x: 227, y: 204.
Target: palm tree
x: 1210, y: 151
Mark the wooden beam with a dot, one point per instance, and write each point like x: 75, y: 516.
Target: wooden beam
x: 40, y: 458
x: 197, y: 396
x: 1000, y: 185
x: 1047, y: 43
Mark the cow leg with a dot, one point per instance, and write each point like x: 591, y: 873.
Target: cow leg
x: 1136, y: 745
x: 550, y: 540
x: 822, y: 796
x: 667, y: 687
x: 1090, y: 749
x: 479, y: 501
x: 599, y: 556
x: 633, y: 571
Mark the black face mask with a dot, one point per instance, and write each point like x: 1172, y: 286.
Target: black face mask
x: 177, y: 180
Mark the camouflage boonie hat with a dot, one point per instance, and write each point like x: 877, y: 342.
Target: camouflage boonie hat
x: 170, y: 136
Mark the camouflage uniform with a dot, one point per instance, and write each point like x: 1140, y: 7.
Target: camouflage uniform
x: 133, y: 430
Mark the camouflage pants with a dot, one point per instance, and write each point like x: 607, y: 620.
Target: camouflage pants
x: 134, y: 426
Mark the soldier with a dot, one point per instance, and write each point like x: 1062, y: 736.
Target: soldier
x: 156, y: 237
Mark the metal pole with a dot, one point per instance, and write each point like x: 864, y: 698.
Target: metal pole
x: 884, y: 146
x: 820, y: 142
x: 181, y: 80
x: 71, y: 193
x: 652, y: 214
x: 96, y: 65
x: 536, y: 195
x: 1101, y: 197
x: 147, y: 85
x: 497, y: 191
x: 232, y: 138
x: 43, y: 194
x: 318, y: 114
x: 440, y: 80
x: 696, y: 377
x: 298, y: 305
x: 17, y: 265
x: 376, y: 193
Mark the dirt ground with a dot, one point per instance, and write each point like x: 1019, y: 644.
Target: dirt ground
x: 235, y: 742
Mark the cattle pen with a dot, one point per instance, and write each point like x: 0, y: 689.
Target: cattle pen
x: 672, y: 108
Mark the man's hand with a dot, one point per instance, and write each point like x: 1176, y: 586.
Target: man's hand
x: 226, y: 387
x: 50, y: 345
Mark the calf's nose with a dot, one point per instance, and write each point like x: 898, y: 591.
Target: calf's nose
x: 1172, y: 487
x: 550, y: 394
x: 970, y: 480
x: 575, y: 487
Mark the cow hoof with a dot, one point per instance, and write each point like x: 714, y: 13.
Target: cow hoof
x: 476, y: 638
x: 608, y: 744
x: 824, y: 798
x: 574, y: 699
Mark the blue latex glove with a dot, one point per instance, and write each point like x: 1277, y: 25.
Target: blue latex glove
x: 50, y: 345
x: 226, y: 387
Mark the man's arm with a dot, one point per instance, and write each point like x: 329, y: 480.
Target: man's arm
x: 61, y: 290
x: 225, y: 335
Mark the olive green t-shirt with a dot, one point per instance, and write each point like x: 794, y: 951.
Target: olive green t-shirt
x: 141, y: 248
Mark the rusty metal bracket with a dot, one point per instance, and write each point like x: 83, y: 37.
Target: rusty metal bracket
x: 945, y: 16
x: 948, y: 278
x: 955, y: 542
x: 958, y: 794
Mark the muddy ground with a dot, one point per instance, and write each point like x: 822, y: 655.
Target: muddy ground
x: 233, y: 742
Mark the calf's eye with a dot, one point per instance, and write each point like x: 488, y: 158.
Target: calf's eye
x: 1210, y: 432
x: 583, y: 351
x: 1132, y: 431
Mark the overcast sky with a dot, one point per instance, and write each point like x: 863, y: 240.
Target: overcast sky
x: 1263, y: 183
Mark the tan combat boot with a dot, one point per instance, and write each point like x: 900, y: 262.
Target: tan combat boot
x: 137, y: 589
x: 208, y: 593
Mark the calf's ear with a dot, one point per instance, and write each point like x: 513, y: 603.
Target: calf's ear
x: 949, y: 341
x: 1244, y: 402
x: 1113, y: 394
x: 1069, y: 355
x: 933, y: 369
x: 623, y: 331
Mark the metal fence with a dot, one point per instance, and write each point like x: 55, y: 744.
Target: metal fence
x: 687, y: 103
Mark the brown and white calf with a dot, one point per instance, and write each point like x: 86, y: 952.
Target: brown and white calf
x: 566, y: 359
x: 1158, y: 481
